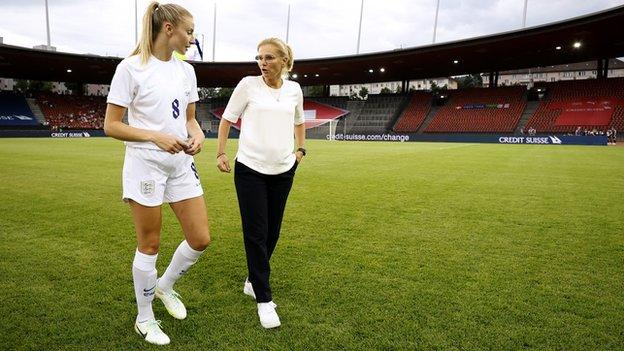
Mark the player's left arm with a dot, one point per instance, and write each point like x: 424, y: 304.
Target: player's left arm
x: 196, y: 141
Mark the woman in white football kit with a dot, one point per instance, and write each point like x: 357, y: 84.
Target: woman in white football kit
x: 271, y: 111
x: 159, y: 91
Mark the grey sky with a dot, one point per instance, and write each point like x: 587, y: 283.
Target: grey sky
x: 321, y: 28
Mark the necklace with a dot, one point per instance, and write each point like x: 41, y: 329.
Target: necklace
x: 276, y: 93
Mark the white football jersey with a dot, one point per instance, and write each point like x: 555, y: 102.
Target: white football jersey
x: 156, y: 95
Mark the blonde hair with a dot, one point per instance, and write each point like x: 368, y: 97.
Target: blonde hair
x: 284, y: 50
x: 153, y: 19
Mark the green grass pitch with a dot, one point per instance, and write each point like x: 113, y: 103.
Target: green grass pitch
x: 384, y: 246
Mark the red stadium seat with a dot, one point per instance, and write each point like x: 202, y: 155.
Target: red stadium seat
x: 545, y: 116
x: 415, y: 113
x: 455, y: 118
x: 71, y: 111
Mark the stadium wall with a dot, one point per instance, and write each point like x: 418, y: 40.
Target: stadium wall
x: 550, y: 139
x: 85, y: 133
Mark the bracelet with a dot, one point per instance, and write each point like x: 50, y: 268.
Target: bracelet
x: 220, y: 154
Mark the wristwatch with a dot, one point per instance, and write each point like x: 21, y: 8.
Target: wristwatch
x: 303, y: 151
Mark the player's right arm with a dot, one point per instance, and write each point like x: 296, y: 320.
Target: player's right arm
x: 114, y: 127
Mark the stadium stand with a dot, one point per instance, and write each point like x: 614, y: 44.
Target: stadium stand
x: 72, y: 111
x: 551, y: 114
x: 336, y: 101
x: 414, y: 114
x: 618, y: 118
x: 207, y: 121
x: 376, y: 113
x: 216, y: 102
x: 14, y: 111
x: 480, y: 110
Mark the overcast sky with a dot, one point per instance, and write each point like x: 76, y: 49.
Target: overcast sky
x: 322, y: 28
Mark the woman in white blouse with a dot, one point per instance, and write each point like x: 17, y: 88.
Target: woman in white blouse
x: 271, y: 112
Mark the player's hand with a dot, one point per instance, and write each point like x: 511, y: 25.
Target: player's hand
x: 195, y: 145
x: 170, y: 143
x: 223, y: 163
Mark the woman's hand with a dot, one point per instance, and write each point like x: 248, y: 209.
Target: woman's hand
x: 299, y: 156
x: 223, y: 163
x: 169, y: 143
x: 195, y: 145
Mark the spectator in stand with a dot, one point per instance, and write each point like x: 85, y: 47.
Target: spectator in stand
x: 86, y: 112
x: 612, y: 136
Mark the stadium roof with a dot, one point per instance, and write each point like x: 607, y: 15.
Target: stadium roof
x: 600, y: 35
x: 572, y: 67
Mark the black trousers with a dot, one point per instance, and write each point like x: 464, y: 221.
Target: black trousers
x: 262, y: 200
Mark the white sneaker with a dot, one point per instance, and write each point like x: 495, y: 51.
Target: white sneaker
x: 172, y: 303
x: 268, y: 315
x: 248, y: 289
x: 151, y: 332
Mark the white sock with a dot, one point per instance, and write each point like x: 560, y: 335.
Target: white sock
x: 144, y: 275
x: 183, y: 258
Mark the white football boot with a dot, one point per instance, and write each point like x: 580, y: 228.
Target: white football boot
x: 151, y: 332
x: 172, y: 302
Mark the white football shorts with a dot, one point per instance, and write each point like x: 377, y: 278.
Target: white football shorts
x: 151, y: 177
